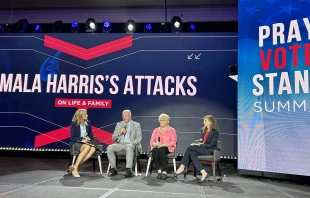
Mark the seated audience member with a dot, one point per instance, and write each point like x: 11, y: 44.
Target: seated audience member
x: 206, y: 146
x: 127, y: 135
x: 162, y: 142
x: 80, y: 136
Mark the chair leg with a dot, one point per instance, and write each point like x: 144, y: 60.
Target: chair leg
x: 73, y: 160
x: 70, y: 162
x: 136, y: 168
x: 108, y: 169
x: 174, y: 165
x: 100, y: 166
x: 139, y: 166
x: 219, y: 169
x: 213, y: 168
x: 195, y: 174
x: 94, y: 168
x: 148, y: 166
x: 151, y: 167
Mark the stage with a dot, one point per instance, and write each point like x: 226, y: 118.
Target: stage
x: 45, y: 177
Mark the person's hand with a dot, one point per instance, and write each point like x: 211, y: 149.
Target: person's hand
x: 156, y: 144
x: 123, y: 131
x: 85, y: 140
x: 130, y: 142
x: 50, y: 66
x: 88, y: 139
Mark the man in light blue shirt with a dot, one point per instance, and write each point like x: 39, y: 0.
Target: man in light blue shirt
x: 127, y: 135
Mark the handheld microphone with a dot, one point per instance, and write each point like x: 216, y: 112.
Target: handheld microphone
x: 125, y: 127
x: 200, y: 140
x: 158, y: 137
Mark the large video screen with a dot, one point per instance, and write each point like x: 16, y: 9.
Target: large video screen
x: 273, y: 86
x: 46, y: 77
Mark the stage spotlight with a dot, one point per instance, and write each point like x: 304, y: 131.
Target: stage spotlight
x: 91, y: 25
x: 106, y: 27
x: 57, y: 26
x: 37, y: 28
x: 7, y: 28
x: 21, y: 25
x: 148, y: 28
x: 176, y: 24
x: 163, y: 28
x: 74, y: 27
x: 192, y: 28
x: 130, y: 26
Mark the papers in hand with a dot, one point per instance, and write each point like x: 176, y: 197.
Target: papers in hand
x: 88, y: 143
x: 195, y: 144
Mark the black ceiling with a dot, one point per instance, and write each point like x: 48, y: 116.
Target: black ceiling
x: 45, y: 4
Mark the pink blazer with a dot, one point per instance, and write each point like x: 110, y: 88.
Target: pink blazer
x: 169, y: 136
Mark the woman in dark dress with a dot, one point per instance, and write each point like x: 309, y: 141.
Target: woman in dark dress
x: 207, y: 144
x: 81, y: 136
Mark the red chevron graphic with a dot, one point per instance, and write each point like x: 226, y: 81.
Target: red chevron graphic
x: 64, y: 133
x: 90, y: 53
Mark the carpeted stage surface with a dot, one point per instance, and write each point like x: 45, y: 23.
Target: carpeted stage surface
x: 43, y: 178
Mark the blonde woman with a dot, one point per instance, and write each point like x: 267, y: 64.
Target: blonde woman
x: 81, y: 135
x: 206, y: 146
x: 163, y: 141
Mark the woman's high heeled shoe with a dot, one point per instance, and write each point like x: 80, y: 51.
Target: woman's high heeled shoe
x: 70, y: 169
x: 75, y: 175
x: 176, y: 174
x: 205, y: 179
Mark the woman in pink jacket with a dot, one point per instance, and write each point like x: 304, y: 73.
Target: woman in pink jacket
x: 163, y: 141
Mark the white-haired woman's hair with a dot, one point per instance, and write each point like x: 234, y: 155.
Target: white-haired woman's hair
x: 163, y: 117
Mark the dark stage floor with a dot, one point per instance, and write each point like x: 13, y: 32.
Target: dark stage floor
x: 32, y: 177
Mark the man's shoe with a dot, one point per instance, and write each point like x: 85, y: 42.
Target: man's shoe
x: 164, y: 176
x: 128, y: 174
x: 113, y: 172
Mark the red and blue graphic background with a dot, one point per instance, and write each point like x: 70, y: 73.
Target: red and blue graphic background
x: 31, y: 120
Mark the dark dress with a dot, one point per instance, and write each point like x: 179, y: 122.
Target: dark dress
x: 75, y: 136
